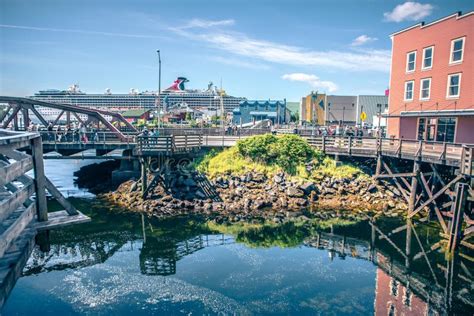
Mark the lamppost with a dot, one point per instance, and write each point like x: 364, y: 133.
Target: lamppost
x: 159, y: 86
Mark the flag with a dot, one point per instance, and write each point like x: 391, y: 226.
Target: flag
x: 387, y: 91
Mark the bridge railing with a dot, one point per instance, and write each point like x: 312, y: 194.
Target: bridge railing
x: 101, y: 137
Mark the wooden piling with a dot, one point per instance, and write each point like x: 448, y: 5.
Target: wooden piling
x: 143, y: 175
x: 40, y: 182
x: 413, y: 187
x: 455, y: 227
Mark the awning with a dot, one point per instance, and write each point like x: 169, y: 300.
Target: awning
x: 441, y: 113
x: 263, y: 113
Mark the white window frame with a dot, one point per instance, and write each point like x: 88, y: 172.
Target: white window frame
x: 421, y: 89
x: 424, y: 56
x: 448, y: 86
x: 412, y: 90
x: 408, y: 62
x: 462, y: 51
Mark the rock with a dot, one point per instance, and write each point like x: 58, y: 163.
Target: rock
x: 167, y: 198
x: 372, y: 188
x: 294, y: 192
x: 308, y: 187
x: 278, y: 179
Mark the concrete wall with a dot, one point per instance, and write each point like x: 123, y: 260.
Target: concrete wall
x: 465, y: 130
x: 408, y: 127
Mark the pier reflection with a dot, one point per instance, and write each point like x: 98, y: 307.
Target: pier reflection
x: 413, y: 275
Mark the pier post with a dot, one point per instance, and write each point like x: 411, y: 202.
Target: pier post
x: 143, y: 175
x: 413, y: 186
x: 40, y: 183
x: 455, y: 228
x: 378, y: 168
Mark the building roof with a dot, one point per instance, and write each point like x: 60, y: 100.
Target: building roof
x: 135, y: 113
x: 293, y: 106
x: 457, y: 15
x: 262, y: 102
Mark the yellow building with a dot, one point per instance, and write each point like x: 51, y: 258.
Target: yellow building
x: 312, y: 108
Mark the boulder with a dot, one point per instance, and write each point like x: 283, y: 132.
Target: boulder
x: 294, y: 192
x: 308, y: 187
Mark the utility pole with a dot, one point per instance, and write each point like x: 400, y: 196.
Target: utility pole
x: 159, y: 87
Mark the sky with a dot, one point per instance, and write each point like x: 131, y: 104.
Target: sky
x: 259, y: 49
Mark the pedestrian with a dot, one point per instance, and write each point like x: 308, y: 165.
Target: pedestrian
x: 50, y: 132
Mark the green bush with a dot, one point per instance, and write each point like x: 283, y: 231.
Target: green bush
x: 258, y: 147
x: 287, y: 151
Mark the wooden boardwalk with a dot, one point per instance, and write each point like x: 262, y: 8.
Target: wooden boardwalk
x: 23, y: 205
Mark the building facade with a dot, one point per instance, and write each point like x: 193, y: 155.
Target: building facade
x: 431, y: 81
x: 341, y: 109
x: 322, y: 109
x: 252, y: 111
x: 372, y: 106
x: 312, y: 109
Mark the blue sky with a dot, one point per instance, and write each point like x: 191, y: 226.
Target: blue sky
x: 259, y: 49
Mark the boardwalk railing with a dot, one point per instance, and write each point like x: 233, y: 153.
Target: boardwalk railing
x: 152, y: 145
x: 457, y: 155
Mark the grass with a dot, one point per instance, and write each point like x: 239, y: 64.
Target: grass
x: 230, y: 161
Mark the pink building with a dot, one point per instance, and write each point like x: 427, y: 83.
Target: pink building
x: 431, y: 81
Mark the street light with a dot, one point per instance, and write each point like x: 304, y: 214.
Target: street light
x: 159, y: 86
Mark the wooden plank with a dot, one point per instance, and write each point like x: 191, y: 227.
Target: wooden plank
x: 15, y: 200
x: 396, y: 175
x: 16, y: 228
x: 14, y: 170
x: 61, y: 219
x: 23, y: 247
x: 71, y: 210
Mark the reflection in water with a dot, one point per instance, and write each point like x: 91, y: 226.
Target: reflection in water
x: 243, y: 271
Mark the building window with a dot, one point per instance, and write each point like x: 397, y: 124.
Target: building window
x: 457, y: 50
x: 446, y: 129
x: 428, y: 58
x: 425, y: 87
x: 409, y: 85
x: 441, y: 129
x: 454, y: 85
x: 411, y: 61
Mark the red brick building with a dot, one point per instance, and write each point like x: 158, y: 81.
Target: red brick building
x: 431, y: 81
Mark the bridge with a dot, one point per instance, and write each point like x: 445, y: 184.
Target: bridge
x: 23, y: 203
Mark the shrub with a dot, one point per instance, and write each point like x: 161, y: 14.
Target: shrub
x: 287, y: 151
x: 257, y: 148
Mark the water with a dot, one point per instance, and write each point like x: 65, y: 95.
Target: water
x: 126, y: 264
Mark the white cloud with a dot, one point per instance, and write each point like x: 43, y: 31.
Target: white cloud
x: 48, y: 29
x: 240, y: 63
x: 409, y: 11
x: 312, y: 80
x: 205, y: 24
x: 240, y: 44
x: 363, y: 39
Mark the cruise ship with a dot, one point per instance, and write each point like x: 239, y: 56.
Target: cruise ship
x: 174, y: 97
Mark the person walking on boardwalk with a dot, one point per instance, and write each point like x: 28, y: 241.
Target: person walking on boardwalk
x: 50, y: 132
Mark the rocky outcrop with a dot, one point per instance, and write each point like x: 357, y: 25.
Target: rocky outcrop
x: 256, y: 196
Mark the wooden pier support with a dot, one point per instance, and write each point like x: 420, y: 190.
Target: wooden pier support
x: 413, y: 187
x: 455, y: 229
x: 144, y: 175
